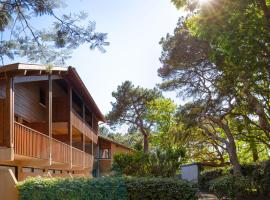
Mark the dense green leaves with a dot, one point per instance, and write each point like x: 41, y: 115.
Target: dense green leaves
x: 130, y: 107
x: 20, y: 38
x: 106, y: 189
x: 165, y: 163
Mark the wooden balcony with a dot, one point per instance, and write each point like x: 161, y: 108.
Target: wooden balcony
x: 29, y: 144
x: 60, y: 152
x: 78, y: 123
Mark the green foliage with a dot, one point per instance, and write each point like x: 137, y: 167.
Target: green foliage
x: 230, y: 186
x: 130, y: 108
x: 157, y: 164
x: 131, y: 139
x: 73, y: 189
x: 106, y: 189
x: 160, y: 188
x: 257, y: 175
x: 161, y: 112
x: 207, y: 176
x: 21, y: 38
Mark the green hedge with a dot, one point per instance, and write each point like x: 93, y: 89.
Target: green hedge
x: 110, y: 188
x: 229, y: 186
x: 258, y: 175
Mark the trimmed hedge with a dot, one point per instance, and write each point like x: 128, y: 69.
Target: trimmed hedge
x: 231, y: 187
x: 258, y: 175
x: 109, y: 188
x: 207, y: 176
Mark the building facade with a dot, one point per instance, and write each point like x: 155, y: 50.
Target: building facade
x: 48, y: 122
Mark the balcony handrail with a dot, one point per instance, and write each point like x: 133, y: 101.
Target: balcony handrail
x: 77, y: 149
x: 61, y: 142
x: 32, y: 129
x: 77, y: 115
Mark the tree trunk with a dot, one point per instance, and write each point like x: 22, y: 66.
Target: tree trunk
x: 145, y: 143
x: 231, y: 148
x: 254, y: 151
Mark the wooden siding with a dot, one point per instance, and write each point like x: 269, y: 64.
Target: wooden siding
x: 2, y: 107
x: 2, y: 89
x: 27, y: 101
x: 60, y: 109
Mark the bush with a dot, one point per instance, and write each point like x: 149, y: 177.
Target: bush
x: 229, y: 186
x: 160, y: 188
x: 109, y: 188
x: 207, y: 176
x: 157, y: 164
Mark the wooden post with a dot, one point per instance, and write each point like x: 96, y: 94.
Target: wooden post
x: 70, y: 122
x: 50, y: 115
x: 9, y: 114
x: 83, y: 135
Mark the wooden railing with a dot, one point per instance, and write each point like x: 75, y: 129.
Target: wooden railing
x: 78, y: 123
x: 28, y: 142
x: 60, y: 152
x: 31, y: 143
x: 88, y: 161
x: 77, y: 157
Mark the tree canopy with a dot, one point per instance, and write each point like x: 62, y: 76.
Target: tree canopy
x: 19, y: 37
x: 130, y: 107
x: 217, y: 59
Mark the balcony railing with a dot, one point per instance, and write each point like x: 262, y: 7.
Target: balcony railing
x: 28, y: 142
x: 77, y: 157
x: 60, y: 152
x: 79, y: 123
x: 88, y: 161
x: 31, y: 143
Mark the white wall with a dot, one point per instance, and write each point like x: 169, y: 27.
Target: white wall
x: 190, y: 172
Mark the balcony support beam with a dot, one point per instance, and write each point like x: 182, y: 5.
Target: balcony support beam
x: 9, y: 114
x: 83, y: 135
x: 70, y: 121
x: 50, y: 116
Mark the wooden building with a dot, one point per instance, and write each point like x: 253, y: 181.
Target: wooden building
x: 107, y: 148
x: 48, y: 122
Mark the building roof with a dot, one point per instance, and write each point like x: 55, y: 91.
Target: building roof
x: 71, y: 73
x: 113, y: 141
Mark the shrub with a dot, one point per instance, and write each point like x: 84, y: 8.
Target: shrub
x: 73, y: 189
x: 109, y: 188
x: 207, y: 176
x: 230, y: 186
x: 160, y: 188
x: 157, y: 164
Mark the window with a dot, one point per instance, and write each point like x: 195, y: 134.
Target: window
x: 27, y: 170
x: 37, y: 170
x: 42, y: 97
x: 105, y: 153
x: 58, y: 171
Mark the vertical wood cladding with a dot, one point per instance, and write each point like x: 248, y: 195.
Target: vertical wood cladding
x: 2, y: 89
x: 60, y: 109
x: 2, y: 121
x: 27, y: 101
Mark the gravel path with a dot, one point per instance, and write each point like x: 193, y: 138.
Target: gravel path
x: 205, y: 196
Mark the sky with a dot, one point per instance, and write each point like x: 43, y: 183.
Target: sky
x: 134, y: 29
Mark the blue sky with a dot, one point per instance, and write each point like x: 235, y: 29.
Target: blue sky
x: 134, y: 30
